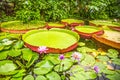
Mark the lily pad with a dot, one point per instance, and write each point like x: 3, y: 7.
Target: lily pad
x: 56, y: 40
x: 43, y: 67
x: 88, y: 31
x: 110, y: 39
x: 104, y: 23
x: 64, y: 65
x: 72, y: 22
x: 55, y: 25
x: 19, y: 27
x: 53, y: 76
x: 7, y: 66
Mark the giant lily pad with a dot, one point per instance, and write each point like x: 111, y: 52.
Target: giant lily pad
x: 110, y: 24
x: 110, y: 39
x: 56, y: 40
x: 72, y: 22
x: 54, y: 25
x: 19, y: 27
x: 88, y: 31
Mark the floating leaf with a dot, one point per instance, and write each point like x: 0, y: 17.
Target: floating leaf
x: 20, y: 73
x: 28, y: 77
x: 84, y: 49
x: 65, y: 65
x: 17, y: 78
x: 7, y: 66
x: 106, y: 71
x: 5, y: 78
x: 116, y: 61
x: 14, y: 53
x: 34, y: 57
x: 1, y: 47
x: 43, y: 67
x: 53, y: 76
x: 103, y: 58
x: 40, y: 77
x: 27, y: 54
x: 19, y: 44
x: 115, y: 76
x: 112, y: 53
x: 53, y: 58
x: 76, y: 68
x: 3, y: 55
x: 89, y: 60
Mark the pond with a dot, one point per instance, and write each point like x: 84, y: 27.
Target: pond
x: 60, y: 54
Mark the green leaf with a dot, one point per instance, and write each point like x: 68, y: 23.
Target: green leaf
x: 17, y: 78
x: 101, y: 66
x: 64, y: 65
x: 53, y: 58
x: 35, y: 56
x: 112, y: 53
x: 88, y: 60
x: 43, y: 67
x: 84, y: 49
x: 27, y: 54
x: 1, y: 47
x: 115, y: 76
x: 106, y: 71
x: 20, y: 73
x: 40, y: 77
x: 103, y: 58
x: 3, y: 55
x: 19, y: 44
x: 14, y: 53
x: 5, y: 78
x: 116, y: 61
x: 76, y: 68
x: 28, y: 77
x: 53, y: 76
x: 7, y: 66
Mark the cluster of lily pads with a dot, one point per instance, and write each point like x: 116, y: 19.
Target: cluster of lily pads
x: 86, y: 62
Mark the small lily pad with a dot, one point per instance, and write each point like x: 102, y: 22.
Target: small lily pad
x: 43, y: 67
x: 53, y: 76
x: 64, y: 65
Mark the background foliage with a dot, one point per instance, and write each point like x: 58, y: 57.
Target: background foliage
x: 55, y: 10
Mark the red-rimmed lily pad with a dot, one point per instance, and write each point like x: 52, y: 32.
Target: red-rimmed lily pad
x: 87, y: 31
x: 72, y: 22
x: 110, y: 39
x: 54, y: 25
x: 19, y: 27
x: 55, y: 40
x: 112, y: 25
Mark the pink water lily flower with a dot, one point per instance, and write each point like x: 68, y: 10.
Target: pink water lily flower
x: 42, y: 49
x: 96, y: 69
x: 76, y: 56
x: 61, y: 57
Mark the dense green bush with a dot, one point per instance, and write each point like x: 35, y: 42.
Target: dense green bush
x: 55, y: 10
